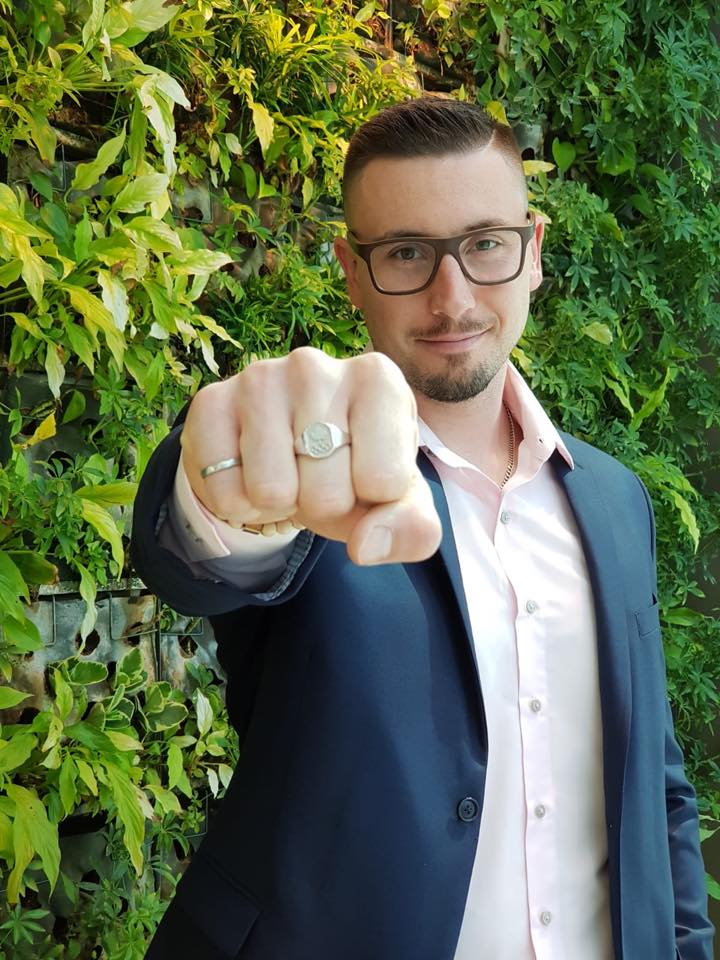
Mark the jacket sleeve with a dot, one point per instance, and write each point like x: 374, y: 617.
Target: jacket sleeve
x: 693, y: 930
x: 170, y: 578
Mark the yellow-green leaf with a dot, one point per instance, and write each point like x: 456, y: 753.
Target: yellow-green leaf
x: 533, y: 167
x: 88, y: 174
x: 103, y: 522
x: 687, y: 516
x: 129, y: 812
x: 264, y: 125
x: 140, y: 192
x: 11, y: 698
x: 497, y: 111
x: 32, y: 834
x: 45, y: 430
x: 88, y: 591
x: 109, y: 494
x: 55, y: 369
x: 599, y: 332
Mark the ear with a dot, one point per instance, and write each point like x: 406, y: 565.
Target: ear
x: 534, y: 252
x: 350, y: 264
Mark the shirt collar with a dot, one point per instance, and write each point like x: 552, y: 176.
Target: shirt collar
x: 539, y: 433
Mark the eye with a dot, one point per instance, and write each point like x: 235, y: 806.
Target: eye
x: 406, y: 254
x: 483, y: 244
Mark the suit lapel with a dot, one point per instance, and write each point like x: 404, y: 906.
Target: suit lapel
x: 595, y: 521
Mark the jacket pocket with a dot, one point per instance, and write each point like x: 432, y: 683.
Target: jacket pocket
x: 648, y: 620
x: 221, y: 913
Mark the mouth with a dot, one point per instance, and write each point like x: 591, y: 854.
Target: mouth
x: 452, y: 343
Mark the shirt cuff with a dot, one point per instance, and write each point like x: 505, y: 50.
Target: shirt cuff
x: 203, y: 536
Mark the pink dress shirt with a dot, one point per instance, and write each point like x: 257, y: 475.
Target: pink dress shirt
x: 539, y: 887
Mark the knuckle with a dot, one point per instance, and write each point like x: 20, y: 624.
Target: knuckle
x: 271, y: 494
x: 383, y: 486
x: 326, y: 500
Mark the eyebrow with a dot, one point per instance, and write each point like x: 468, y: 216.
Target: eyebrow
x: 480, y: 225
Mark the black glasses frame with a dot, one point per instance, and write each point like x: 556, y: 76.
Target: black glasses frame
x: 442, y: 246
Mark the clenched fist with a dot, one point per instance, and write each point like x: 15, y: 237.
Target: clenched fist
x: 369, y: 495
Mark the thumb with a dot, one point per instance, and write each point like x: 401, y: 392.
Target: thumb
x: 403, y: 531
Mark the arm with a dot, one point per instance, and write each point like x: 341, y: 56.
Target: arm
x: 693, y: 930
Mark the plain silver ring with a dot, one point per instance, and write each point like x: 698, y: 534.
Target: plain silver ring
x: 320, y: 440
x: 220, y: 465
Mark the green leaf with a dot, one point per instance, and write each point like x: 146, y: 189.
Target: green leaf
x: 198, y: 261
x: 712, y: 886
x: 11, y: 698
x: 104, y: 524
x: 263, y: 124
x: 42, y: 185
x: 12, y: 580
x: 86, y: 672
x: 81, y: 344
x: 149, y: 15
x: 83, y: 238
x: 155, y: 235
x: 599, y: 332
x: 109, y: 494
x: 68, y: 790
x: 16, y: 751
x: 75, y: 407
x: 86, y: 775
x: 563, y: 154
x: 176, y: 774
x: 687, y: 516
x: 63, y: 694
x: 35, y: 569
x: 129, y: 811
x: 655, y: 398
x: 88, y: 174
x: 97, y: 316
x: 140, y: 192
x: 43, y: 135
x: 32, y: 834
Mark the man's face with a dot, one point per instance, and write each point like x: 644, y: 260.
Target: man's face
x: 451, y: 339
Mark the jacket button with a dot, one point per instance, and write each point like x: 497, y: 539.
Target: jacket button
x: 468, y: 809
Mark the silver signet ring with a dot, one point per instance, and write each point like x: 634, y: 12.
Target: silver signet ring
x: 319, y: 440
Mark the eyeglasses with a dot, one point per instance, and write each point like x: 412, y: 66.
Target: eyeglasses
x: 408, y: 264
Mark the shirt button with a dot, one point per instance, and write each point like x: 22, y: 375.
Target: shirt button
x: 540, y: 811
x: 505, y: 517
x: 546, y: 918
x: 468, y: 809
x: 535, y: 706
x: 531, y: 606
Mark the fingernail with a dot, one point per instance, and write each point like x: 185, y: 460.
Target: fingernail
x: 376, y: 546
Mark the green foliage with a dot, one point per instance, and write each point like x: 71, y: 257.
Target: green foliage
x: 173, y: 181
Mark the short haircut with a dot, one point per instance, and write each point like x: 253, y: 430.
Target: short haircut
x: 427, y: 126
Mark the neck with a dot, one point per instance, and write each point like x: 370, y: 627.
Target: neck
x: 477, y: 429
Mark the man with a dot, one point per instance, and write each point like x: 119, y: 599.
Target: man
x: 446, y: 754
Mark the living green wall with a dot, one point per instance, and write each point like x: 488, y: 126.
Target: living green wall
x: 170, y: 181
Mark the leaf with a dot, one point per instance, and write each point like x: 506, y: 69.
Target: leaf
x: 88, y: 174
x: 34, y: 568
x: 12, y: 580
x: 43, y: 135
x: 44, y: 431
x: 263, y: 124
x: 140, y: 192
x: 198, y: 261
x: 122, y: 741
x: 9, y: 273
x: 109, y: 494
x: 81, y: 344
x: 83, y: 238
x: 533, y: 167
x: 563, y: 154
x: 11, y: 698
x: 497, y: 111
x: 149, y: 15
x: 176, y: 774
x: 115, y: 298
x: 42, y: 185
x: 204, y: 712
x: 75, y: 407
x: 88, y: 591
x: 687, y: 516
x: 16, y: 751
x: 22, y: 320
x: 103, y: 523
x: 155, y: 235
x: 32, y: 834
x: 655, y: 398
x: 55, y: 370
x: 214, y: 327
x: 63, y: 694
x: 129, y: 812
x: 68, y: 790
x: 213, y: 781
x: 712, y: 887
x: 97, y: 316
x: 87, y: 775
x: 86, y: 672
x: 208, y: 352
x: 599, y: 332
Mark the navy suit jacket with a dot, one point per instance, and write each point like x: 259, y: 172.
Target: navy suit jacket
x: 357, y: 700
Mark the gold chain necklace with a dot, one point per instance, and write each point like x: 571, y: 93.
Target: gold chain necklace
x: 511, y: 462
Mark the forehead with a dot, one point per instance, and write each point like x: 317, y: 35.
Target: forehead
x: 442, y: 195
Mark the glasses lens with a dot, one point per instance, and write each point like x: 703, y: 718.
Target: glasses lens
x: 401, y: 266
x: 491, y: 257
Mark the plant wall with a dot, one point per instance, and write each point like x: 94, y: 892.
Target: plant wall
x: 169, y: 185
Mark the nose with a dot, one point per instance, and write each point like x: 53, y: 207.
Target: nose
x: 451, y: 293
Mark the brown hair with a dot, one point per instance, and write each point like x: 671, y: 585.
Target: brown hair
x: 427, y: 127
